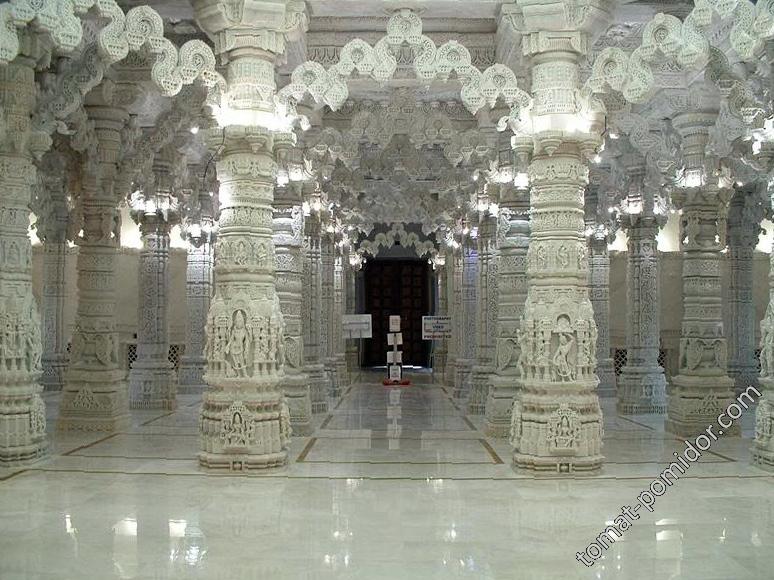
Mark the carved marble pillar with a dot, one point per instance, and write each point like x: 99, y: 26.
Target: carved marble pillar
x: 512, y: 294
x: 245, y: 421
x: 327, y: 318
x: 702, y: 389
x: 469, y: 307
x: 557, y: 421
x: 22, y: 411
x: 454, y: 280
x: 95, y: 395
x: 288, y: 262
x: 152, y: 383
x: 440, y: 348
x: 352, y: 352
x: 52, y: 229
x: 763, y: 447
x: 486, y: 315
x: 744, y: 217
x: 642, y: 384
x: 339, y: 299
x: 599, y: 292
x: 312, y: 320
x: 199, y: 231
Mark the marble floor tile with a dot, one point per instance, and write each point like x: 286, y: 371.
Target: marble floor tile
x: 392, y: 484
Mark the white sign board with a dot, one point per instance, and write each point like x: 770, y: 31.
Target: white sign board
x: 395, y: 374
x: 394, y: 323
x: 394, y: 338
x: 394, y: 357
x: 356, y: 326
x: 436, y: 327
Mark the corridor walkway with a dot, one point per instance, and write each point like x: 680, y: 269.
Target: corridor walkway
x: 395, y: 483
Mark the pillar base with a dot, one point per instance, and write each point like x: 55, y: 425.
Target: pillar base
x: 22, y: 429
x: 296, y: 389
x: 558, y: 428
x: 152, y: 386
x: 763, y: 445
x: 190, y: 378
x: 332, y: 379
x: 641, y: 390
x: 94, y: 400
x: 318, y: 388
x: 462, y: 371
x: 247, y: 433
x: 499, y: 406
x: 439, y: 365
x: 479, y: 390
x: 694, y: 403
x: 54, y: 370
x: 352, y: 356
x: 607, y: 378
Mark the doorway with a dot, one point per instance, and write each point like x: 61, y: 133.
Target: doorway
x: 399, y: 287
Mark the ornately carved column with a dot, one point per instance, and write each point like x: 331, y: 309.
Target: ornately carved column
x: 454, y: 281
x: 599, y: 292
x: 22, y: 412
x: 467, y: 350
x: 327, y: 318
x: 557, y: 420
x: 245, y: 422
x: 312, y: 304
x: 352, y: 352
x: 744, y: 217
x: 702, y: 389
x: 440, y: 349
x: 288, y: 260
x: 199, y: 232
x: 512, y: 294
x: 486, y: 316
x: 763, y: 447
x: 52, y: 230
x: 642, y: 384
x: 95, y: 396
x: 152, y: 383
x: 339, y: 298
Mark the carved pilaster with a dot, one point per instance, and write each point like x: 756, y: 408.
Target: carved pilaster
x: 440, y: 347
x: 312, y: 302
x: 327, y: 314
x: 512, y: 293
x: 463, y: 364
x: 22, y: 412
x: 352, y: 352
x: 744, y: 217
x: 486, y: 315
x: 288, y: 261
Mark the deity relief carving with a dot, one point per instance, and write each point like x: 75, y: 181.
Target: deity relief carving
x: 21, y: 346
x: 238, y: 426
x: 244, y: 338
x: 563, y: 429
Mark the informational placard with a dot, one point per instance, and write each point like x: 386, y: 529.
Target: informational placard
x: 394, y: 323
x: 394, y: 357
x: 356, y: 326
x: 436, y: 327
x: 395, y: 373
x: 394, y: 338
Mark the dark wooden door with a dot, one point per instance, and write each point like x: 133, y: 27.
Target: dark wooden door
x: 397, y: 287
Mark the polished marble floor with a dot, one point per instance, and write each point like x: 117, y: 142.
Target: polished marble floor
x: 394, y: 483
